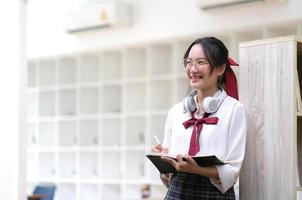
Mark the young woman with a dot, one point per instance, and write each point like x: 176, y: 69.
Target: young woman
x: 210, y: 121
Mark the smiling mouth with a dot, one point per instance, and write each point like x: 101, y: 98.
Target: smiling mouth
x: 196, y: 77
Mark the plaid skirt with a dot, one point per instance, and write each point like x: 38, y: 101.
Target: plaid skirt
x: 185, y: 186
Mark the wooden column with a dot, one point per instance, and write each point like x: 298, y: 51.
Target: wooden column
x: 267, y: 89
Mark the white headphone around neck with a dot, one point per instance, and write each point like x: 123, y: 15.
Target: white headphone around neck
x: 210, y: 104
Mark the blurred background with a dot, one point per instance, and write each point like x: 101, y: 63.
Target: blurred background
x: 102, y: 74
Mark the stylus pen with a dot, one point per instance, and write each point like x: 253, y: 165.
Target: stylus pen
x: 156, y: 139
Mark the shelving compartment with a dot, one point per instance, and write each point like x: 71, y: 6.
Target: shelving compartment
x: 179, y: 52
x: 67, y: 102
x: 111, y: 165
x: 135, y: 97
x: 46, y: 73
x: 89, y: 100
x: 157, y: 127
x: 135, y: 63
x: 135, y: 131
x: 47, y: 168
x: 158, y: 191
x: 89, y: 133
x: 67, y: 70
x: 111, y: 191
x: 111, y: 99
x: 89, y: 68
x: 111, y: 132
x: 46, y: 134
x: 111, y: 66
x: 32, y: 166
x: 89, y: 191
x: 67, y: 133
x: 132, y: 191
x: 67, y: 165
x: 66, y: 191
x: 32, y: 104
x: 182, y: 88
x: 134, y: 165
x: 47, y: 103
x: 31, y: 134
x: 160, y: 59
x: 88, y: 165
x: 161, y: 95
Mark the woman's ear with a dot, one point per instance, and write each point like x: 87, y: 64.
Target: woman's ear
x: 221, y: 69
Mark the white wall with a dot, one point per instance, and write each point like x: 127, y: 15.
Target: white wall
x: 153, y: 20
x: 12, y: 84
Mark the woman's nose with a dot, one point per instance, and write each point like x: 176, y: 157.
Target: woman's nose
x: 194, y: 69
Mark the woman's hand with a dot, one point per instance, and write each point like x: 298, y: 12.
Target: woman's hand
x: 188, y: 164
x: 159, y: 149
x: 183, y: 163
x: 165, y: 178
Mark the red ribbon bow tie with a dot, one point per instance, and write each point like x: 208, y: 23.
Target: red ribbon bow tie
x: 198, y: 125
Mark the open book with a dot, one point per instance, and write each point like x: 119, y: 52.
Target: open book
x: 165, y: 167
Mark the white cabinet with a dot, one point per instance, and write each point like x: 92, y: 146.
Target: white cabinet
x: 92, y: 116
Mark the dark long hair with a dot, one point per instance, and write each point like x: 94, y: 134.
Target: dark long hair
x: 215, y: 52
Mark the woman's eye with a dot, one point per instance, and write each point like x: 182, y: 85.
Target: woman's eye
x: 200, y: 62
x: 188, y: 62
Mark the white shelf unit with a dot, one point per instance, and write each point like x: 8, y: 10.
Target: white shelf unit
x: 92, y: 116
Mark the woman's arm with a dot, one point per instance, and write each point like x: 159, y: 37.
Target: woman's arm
x: 166, y: 178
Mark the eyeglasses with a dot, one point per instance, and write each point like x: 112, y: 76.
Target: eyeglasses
x: 199, y: 63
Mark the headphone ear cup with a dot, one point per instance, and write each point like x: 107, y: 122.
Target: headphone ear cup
x: 191, y: 104
x: 210, y: 104
x: 185, y: 104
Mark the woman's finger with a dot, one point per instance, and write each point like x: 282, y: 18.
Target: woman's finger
x: 157, y: 148
x: 170, y: 160
x: 165, y: 150
x: 189, y: 159
x: 179, y: 158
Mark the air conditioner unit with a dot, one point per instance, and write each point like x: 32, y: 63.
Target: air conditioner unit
x: 208, y: 4
x: 107, y: 14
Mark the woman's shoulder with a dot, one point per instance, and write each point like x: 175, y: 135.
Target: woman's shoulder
x: 233, y: 103
x: 177, y: 107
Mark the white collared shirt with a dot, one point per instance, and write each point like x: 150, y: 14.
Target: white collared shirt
x: 226, y: 139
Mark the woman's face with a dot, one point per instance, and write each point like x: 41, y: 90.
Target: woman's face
x: 199, y: 70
